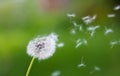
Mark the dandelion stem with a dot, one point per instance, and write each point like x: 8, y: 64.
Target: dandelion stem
x: 30, y: 66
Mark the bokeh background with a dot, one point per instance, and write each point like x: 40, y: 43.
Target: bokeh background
x: 22, y: 20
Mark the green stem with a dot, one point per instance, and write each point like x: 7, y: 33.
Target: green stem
x: 30, y: 66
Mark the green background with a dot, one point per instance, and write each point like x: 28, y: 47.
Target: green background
x: 23, y: 20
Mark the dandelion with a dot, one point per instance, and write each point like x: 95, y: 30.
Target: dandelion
x: 60, y: 44
x: 88, y: 19
x: 107, y: 31
x: 41, y: 48
x: 71, y: 15
x: 111, y: 15
x: 56, y: 73
x: 117, y: 7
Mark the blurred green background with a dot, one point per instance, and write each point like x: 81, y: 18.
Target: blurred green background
x: 22, y: 20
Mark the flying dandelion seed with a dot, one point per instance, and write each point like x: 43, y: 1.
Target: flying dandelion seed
x: 60, y: 45
x: 74, y: 23
x: 87, y: 19
x: 111, y: 15
x: 92, y: 29
x: 117, y: 7
x: 107, y: 31
x: 73, y: 31
x: 113, y: 43
x: 82, y: 64
x: 95, y: 69
x: 71, y: 15
x: 56, y: 73
x: 78, y: 43
x: 85, y: 41
x: 80, y: 28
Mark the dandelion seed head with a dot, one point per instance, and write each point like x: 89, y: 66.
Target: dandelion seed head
x: 42, y: 47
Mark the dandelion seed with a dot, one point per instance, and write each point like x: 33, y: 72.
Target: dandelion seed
x: 73, y: 31
x: 74, y: 23
x: 60, y: 45
x: 88, y: 19
x: 117, y: 7
x: 56, y: 73
x: 78, y: 43
x: 42, y: 47
x: 80, y: 28
x: 107, y: 31
x: 113, y: 43
x: 96, y: 68
x: 92, y: 30
x: 111, y: 15
x: 85, y: 41
x: 71, y: 15
x: 94, y: 17
x: 82, y: 64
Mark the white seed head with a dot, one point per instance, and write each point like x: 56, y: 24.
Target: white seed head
x: 42, y: 47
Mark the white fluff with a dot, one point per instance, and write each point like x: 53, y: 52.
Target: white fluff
x: 88, y: 19
x: 42, y: 47
x: 117, y: 7
x: 71, y: 15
